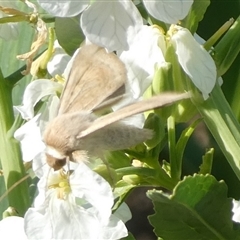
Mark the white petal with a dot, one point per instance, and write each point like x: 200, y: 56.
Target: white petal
x: 199, y: 39
x: 54, y: 218
x: 140, y: 60
x: 39, y: 165
x: 37, y: 225
x: 195, y: 61
x: 236, y: 211
x: 123, y: 212
x: 90, y: 186
x: 168, y: 11
x: 78, y: 223
x: 111, y: 24
x: 48, y: 111
x: 61, y: 219
x: 12, y: 228
x: 68, y: 67
x: 58, y: 62
x: 29, y: 136
x: 43, y: 190
x: 61, y: 8
x: 35, y: 91
x: 114, y: 230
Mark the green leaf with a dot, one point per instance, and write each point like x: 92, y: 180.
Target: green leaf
x: 198, y: 209
x: 206, y: 166
x: 69, y: 33
x: 195, y: 15
x: 228, y: 48
x: 11, y: 48
x: 117, y: 159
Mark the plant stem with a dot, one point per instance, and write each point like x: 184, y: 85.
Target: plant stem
x: 10, y: 153
x: 223, y: 126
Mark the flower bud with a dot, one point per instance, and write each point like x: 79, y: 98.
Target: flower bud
x: 194, y: 60
x: 132, y: 179
x: 170, y: 77
x: 154, y: 122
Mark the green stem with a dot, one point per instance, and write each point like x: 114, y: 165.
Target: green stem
x: 175, y: 171
x: 182, y: 142
x: 226, y: 112
x: 18, y: 18
x: 235, y: 97
x: 50, y: 49
x: 10, y: 153
x: 218, y: 34
x: 223, y: 126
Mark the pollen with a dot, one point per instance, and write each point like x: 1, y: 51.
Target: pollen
x: 63, y: 190
x: 61, y: 184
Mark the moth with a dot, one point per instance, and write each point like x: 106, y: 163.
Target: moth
x: 96, y: 80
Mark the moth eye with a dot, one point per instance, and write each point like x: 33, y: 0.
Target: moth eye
x: 59, y: 163
x: 55, y: 163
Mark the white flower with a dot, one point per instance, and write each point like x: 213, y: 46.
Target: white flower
x: 168, y: 11
x: 64, y: 8
x: 12, y: 228
x: 146, y: 51
x: 73, y: 207
x: 30, y: 134
x: 195, y: 60
x: 34, y: 92
x: 110, y: 24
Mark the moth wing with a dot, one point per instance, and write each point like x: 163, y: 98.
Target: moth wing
x: 135, y: 108
x: 95, y: 76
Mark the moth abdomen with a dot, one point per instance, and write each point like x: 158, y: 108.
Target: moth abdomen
x: 116, y: 136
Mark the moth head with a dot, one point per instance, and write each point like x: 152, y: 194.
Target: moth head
x: 54, y: 162
x: 55, y: 158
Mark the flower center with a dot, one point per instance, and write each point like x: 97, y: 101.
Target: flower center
x: 60, y: 182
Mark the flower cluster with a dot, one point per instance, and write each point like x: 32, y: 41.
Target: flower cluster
x: 76, y: 202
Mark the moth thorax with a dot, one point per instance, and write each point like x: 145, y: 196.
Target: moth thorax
x: 54, y: 162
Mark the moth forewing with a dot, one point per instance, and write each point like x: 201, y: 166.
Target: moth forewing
x: 95, y: 76
x: 138, y: 107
